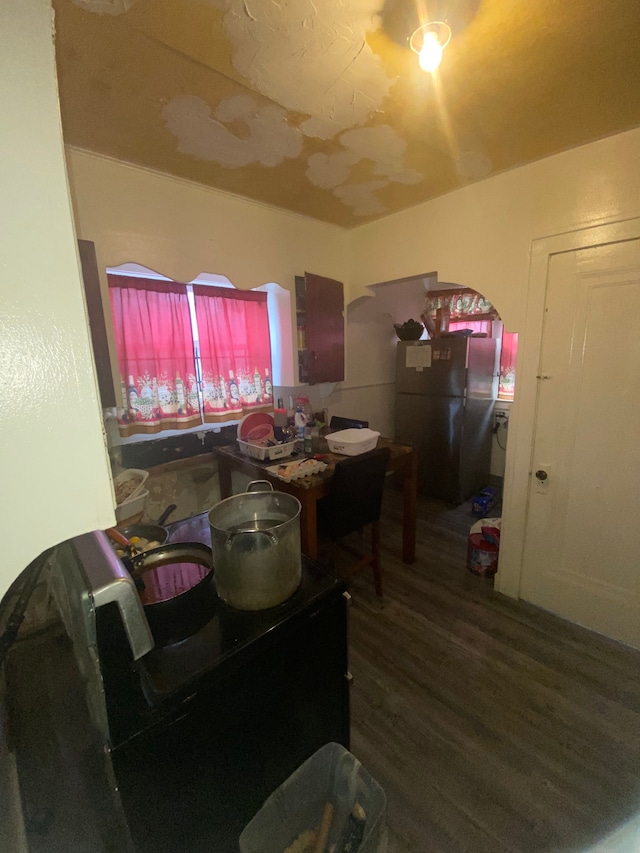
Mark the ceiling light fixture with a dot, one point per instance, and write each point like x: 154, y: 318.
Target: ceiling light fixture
x: 428, y: 41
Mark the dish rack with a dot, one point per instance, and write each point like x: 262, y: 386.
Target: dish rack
x: 262, y: 452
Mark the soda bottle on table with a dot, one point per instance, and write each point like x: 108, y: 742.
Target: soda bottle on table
x: 300, y: 421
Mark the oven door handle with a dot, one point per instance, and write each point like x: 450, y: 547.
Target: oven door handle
x: 108, y: 581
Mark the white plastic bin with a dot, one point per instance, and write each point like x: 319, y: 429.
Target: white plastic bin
x: 332, y: 775
x: 352, y: 442
x: 134, y: 506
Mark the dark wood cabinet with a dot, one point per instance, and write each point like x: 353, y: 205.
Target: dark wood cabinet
x: 97, y: 324
x: 320, y: 323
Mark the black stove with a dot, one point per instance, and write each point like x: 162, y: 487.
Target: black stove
x: 123, y: 743
x: 204, y: 729
x: 167, y: 673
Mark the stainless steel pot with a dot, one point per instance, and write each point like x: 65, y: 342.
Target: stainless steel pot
x: 255, y: 539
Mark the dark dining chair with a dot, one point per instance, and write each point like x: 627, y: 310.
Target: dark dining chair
x: 338, y: 422
x: 354, y: 502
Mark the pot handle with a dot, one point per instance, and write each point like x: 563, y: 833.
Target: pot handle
x: 235, y: 533
x: 165, y: 515
x: 263, y: 486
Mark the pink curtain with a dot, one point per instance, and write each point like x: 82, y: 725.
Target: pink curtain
x: 154, y: 343
x: 235, y: 352
x: 507, y: 383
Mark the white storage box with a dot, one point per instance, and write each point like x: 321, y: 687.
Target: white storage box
x: 134, y: 506
x: 258, y: 451
x: 351, y: 442
x: 128, y: 484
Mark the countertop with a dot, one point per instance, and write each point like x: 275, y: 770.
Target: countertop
x: 168, y: 669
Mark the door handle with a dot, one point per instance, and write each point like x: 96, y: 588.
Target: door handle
x: 541, y: 475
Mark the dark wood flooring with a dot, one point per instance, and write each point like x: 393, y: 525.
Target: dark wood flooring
x: 491, y: 725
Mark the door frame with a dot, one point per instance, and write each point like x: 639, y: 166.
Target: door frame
x: 522, y: 417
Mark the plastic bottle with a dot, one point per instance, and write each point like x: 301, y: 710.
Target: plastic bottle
x: 300, y: 421
x: 308, y: 439
x: 305, y: 405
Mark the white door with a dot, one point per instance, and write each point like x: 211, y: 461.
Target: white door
x: 582, y: 544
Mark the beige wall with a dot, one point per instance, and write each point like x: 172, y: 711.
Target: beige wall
x: 181, y: 229
x: 368, y: 392
x: 491, y: 236
x: 480, y: 236
x: 483, y: 236
x: 53, y: 463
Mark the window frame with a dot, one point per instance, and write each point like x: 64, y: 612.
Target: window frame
x: 276, y: 312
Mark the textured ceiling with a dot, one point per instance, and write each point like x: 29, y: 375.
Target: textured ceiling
x: 315, y: 107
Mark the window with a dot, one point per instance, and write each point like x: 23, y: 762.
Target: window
x: 508, y: 352
x: 188, y: 354
x: 468, y: 309
x: 508, y: 343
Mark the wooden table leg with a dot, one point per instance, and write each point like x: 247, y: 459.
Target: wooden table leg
x: 224, y: 476
x: 409, y: 510
x: 308, y: 524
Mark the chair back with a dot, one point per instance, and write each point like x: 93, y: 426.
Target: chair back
x: 337, y: 423
x: 355, y: 494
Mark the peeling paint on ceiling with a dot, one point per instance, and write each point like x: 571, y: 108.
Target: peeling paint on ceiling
x: 383, y: 148
x: 310, y: 60
x: 269, y: 139
x: 312, y: 107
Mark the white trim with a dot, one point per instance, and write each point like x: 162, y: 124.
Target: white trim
x: 234, y: 196
x: 523, y: 411
x: 138, y: 271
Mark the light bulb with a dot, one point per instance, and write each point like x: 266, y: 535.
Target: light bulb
x: 431, y: 53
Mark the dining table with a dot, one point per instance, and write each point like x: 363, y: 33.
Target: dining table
x: 308, y: 490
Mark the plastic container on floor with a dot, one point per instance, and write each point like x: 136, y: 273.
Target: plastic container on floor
x: 331, y: 789
x: 482, y: 555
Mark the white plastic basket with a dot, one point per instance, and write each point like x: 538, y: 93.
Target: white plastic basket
x: 134, y: 506
x: 332, y: 775
x: 352, y: 442
x: 258, y: 451
x: 129, y: 483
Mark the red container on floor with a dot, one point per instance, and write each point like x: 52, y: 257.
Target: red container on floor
x: 482, y: 556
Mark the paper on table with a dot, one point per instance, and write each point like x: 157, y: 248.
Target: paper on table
x: 418, y: 357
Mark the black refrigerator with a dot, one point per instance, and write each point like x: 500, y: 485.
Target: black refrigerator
x: 445, y: 392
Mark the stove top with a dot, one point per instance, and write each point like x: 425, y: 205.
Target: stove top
x: 169, y: 671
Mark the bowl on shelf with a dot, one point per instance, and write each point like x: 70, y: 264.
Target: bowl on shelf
x: 409, y: 331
